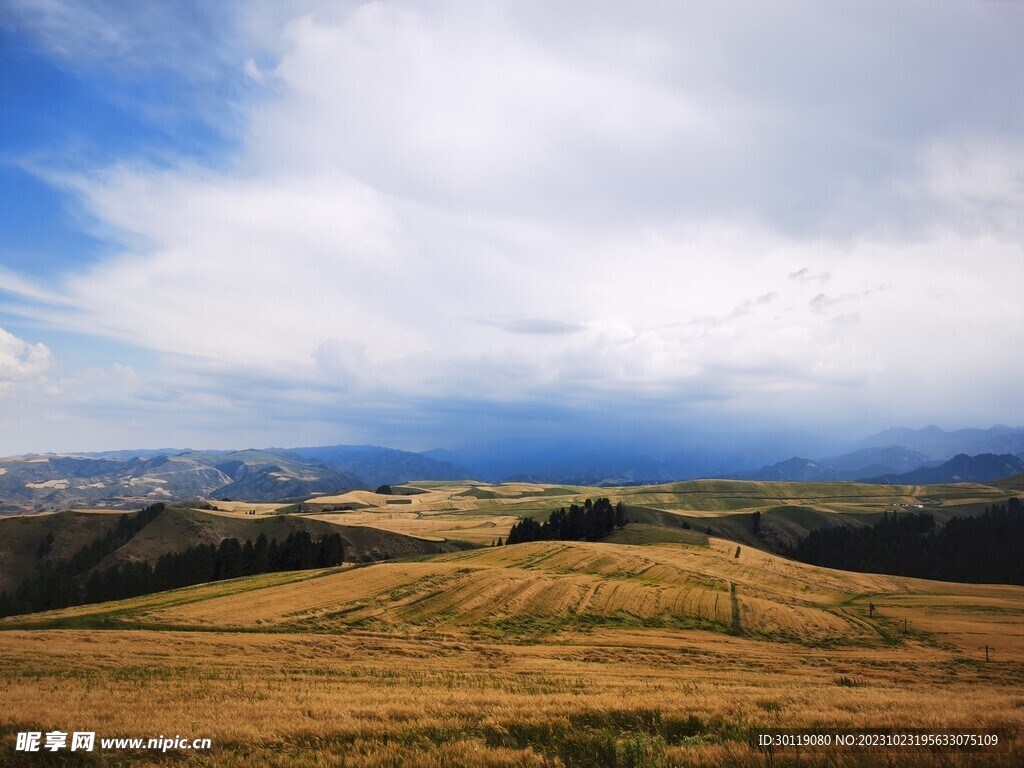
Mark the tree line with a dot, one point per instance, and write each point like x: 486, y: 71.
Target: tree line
x: 593, y: 521
x: 77, y: 580
x: 987, y: 548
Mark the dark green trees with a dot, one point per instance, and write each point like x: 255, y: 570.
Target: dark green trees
x: 988, y: 548
x: 620, y: 515
x: 593, y: 521
x: 77, y: 580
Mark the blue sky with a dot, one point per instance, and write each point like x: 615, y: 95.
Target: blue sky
x: 417, y: 225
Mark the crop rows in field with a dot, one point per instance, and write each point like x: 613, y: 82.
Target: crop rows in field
x: 544, y: 587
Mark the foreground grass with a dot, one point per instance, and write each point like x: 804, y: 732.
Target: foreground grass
x: 548, y: 654
x: 638, y: 698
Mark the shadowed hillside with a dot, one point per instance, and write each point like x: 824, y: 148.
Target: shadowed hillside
x: 31, y: 540
x: 23, y: 540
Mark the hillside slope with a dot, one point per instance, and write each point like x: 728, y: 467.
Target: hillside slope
x: 27, y: 541
x: 179, y: 528
x: 561, y: 588
x: 22, y: 540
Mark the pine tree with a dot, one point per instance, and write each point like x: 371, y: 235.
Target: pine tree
x: 261, y: 555
x: 228, y: 560
x: 248, y: 558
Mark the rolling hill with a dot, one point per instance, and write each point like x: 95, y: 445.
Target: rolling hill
x: 421, y: 517
x: 22, y: 540
x: 178, y: 527
x: 671, y: 652
x: 553, y: 588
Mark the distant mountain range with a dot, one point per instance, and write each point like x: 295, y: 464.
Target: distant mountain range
x: 960, y: 469
x: 939, y: 444
x: 595, y: 460
x: 37, y: 482
x: 903, y: 455
x: 899, y: 455
x: 376, y: 466
x: 849, y: 466
x: 600, y: 462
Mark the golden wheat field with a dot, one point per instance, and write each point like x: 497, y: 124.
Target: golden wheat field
x: 553, y: 653
x: 245, y: 507
x: 477, y: 529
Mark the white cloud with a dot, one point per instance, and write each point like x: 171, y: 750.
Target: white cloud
x: 452, y: 201
x: 21, y: 361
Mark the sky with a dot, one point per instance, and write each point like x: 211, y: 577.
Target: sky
x: 432, y: 224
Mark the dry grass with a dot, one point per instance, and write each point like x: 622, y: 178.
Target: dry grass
x: 242, y: 508
x: 546, y: 588
x: 477, y: 529
x: 548, y: 654
x: 285, y: 699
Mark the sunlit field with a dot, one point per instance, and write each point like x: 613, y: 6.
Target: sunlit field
x: 553, y: 653
x: 481, y: 513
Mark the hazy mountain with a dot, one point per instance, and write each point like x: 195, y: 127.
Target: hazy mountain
x: 875, y: 461
x: 847, y: 466
x: 377, y: 466
x: 960, y: 469
x: 937, y: 443
x: 795, y: 469
x: 593, y: 459
x: 576, y: 462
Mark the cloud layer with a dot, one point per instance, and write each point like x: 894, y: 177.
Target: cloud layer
x: 808, y: 215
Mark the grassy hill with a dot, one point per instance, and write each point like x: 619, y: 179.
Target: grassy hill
x: 554, y: 588
x: 181, y: 527
x: 482, y: 512
x: 425, y: 517
x: 542, y: 654
x: 178, y: 528
x: 22, y: 536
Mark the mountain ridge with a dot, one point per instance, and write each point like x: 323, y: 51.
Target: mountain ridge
x: 962, y: 468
